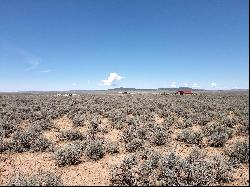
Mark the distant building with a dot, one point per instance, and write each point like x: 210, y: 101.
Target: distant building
x: 184, y: 92
x: 164, y: 93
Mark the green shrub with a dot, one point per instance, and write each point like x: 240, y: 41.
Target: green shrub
x: 68, y: 155
x: 42, y: 178
x: 217, y: 134
x: 112, y: 148
x: 190, y: 137
x: 4, y: 146
x: 129, y: 161
x: 42, y: 144
x: 23, y: 140
x: 95, y: 149
x: 218, y: 139
x: 212, y: 128
x: 71, y: 135
x: 158, y: 137
x: 135, y: 145
x: 122, y: 176
x: 239, y: 152
x: 78, y: 119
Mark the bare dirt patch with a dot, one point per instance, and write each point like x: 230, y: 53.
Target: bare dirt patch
x: 24, y: 124
x: 51, y: 135
x: 63, y: 123
x: 86, y: 173
x: 214, y: 150
x: 113, y: 135
x: 93, y: 173
x: 240, y: 176
x: 158, y: 119
x: 180, y: 148
x: 105, y: 123
x: 175, y: 133
x: 82, y: 129
x: 196, y: 128
x: 234, y: 139
x: 26, y: 163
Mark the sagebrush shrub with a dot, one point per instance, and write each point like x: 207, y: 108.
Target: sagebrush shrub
x: 68, y: 155
x: 141, y: 133
x: 3, y: 145
x: 218, y: 139
x: 185, y: 124
x: 129, y: 161
x: 7, y: 128
x: 18, y: 179
x: 23, y: 140
x: 41, y: 144
x: 71, y: 135
x: 122, y: 176
x: 229, y: 121
x: 190, y: 137
x: 217, y: 134
x: 2, y: 131
x: 112, y: 147
x: 209, y: 129
x: 95, y: 149
x: 128, y: 134
x: 239, y: 152
x: 78, y: 119
x: 153, y: 160
x: 172, y: 170
x: 42, y: 124
x: 135, y: 145
x: 204, y: 119
x: 42, y: 178
x: 194, y: 170
x: 158, y: 137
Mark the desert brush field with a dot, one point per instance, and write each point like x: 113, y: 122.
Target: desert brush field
x: 140, y: 139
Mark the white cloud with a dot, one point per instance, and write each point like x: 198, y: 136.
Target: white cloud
x: 46, y: 71
x: 213, y: 84
x: 173, y: 84
x: 185, y: 84
x: 74, y: 84
x: 111, y: 79
x: 195, y: 85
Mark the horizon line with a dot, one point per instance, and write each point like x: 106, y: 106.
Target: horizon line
x: 116, y: 89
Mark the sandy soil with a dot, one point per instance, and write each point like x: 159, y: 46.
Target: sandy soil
x: 96, y: 172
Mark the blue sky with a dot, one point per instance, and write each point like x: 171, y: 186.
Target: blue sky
x: 101, y: 44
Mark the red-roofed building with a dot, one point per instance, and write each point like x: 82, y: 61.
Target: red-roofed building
x: 182, y: 92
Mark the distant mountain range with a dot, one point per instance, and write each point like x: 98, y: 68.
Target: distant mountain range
x: 122, y: 89
x: 158, y: 89
x: 239, y: 89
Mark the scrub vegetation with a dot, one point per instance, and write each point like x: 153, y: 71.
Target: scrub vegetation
x: 124, y: 139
